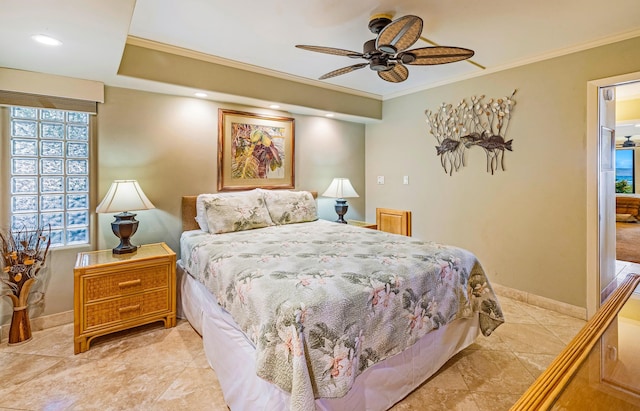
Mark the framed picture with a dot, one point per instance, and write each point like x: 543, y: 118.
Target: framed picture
x: 255, y: 150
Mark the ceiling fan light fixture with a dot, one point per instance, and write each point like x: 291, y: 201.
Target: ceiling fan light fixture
x: 407, y: 58
x: 387, y: 48
x: 379, y: 64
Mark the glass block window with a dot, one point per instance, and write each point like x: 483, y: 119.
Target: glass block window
x: 50, y: 173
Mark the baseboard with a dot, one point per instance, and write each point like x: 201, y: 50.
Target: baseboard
x: 539, y: 301
x: 42, y: 323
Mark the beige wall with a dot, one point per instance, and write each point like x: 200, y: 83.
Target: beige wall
x: 169, y: 144
x: 527, y: 224
x: 628, y: 110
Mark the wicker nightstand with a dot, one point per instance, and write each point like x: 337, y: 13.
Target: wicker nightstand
x: 114, y: 292
x: 363, y: 224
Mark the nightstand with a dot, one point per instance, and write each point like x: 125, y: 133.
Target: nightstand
x: 362, y: 224
x: 114, y: 292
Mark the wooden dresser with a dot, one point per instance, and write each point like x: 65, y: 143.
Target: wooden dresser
x: 113, y: 292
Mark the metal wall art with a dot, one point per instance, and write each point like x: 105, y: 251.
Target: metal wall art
x: 467, y: 125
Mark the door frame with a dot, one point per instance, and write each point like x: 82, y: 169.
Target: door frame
x: 593, y: 226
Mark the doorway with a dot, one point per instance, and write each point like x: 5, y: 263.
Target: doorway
x: 601, y: 265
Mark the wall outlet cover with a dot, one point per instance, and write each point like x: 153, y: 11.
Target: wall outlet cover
x: 380, y: 179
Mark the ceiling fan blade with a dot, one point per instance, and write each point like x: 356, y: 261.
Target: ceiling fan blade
x: 343, y: 70
x: 400, y: 34
x: 434, y: 55
x: 330, y: 50
x: 397, y: 74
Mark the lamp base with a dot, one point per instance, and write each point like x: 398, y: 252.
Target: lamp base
x: 341, y: 209
x: 124, y: 227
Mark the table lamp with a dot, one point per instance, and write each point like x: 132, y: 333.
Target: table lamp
x: 124, y: 196
x: 341, y: 188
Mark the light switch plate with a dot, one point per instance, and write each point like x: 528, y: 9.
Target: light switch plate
x: 405, y: 180
x: 380, y: 179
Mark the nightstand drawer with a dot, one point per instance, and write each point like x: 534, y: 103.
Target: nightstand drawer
x: 126, y: 308
x: 125, y: 282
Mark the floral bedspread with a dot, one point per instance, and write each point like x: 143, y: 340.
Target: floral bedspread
x: 323, y: 301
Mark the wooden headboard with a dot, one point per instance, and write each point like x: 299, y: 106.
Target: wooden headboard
x: 189, y: 212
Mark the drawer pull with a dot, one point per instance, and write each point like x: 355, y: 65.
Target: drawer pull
x: 129, y: 308
x: 131, y: 283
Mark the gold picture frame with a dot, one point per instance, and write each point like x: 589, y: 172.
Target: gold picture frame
x: 255, y: 150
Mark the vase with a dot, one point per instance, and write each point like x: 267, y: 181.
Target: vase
x: 20, y: 329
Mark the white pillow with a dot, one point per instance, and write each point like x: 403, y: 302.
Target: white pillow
x: 236, y: 213
x: 201, y: 213
x: 287, y: 207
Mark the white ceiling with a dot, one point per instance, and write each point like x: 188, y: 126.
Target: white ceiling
x: 503, y: 33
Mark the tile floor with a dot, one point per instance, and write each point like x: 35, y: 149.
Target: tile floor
x: 153, y: 368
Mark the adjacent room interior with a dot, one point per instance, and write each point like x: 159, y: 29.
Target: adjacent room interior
x: 627, y: 190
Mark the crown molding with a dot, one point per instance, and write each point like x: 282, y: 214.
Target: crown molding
x: 541, y: 57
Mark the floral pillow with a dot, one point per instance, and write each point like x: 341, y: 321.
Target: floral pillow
x: 236, y: 212
x: 287, y: 207
x: 201, y: 212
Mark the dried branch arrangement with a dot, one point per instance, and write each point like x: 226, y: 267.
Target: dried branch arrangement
x: 23, y: 255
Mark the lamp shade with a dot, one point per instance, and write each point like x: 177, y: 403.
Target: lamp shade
x: 124, y: 195
x: 340, y: 188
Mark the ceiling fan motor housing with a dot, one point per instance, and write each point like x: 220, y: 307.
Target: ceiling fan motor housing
x: 377, y: 61
x: 378, y: 22
x: 628, y: 142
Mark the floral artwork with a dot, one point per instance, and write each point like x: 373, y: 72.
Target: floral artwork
x: 469, y: 124
x: 257, y: 151
x: 254, y: 150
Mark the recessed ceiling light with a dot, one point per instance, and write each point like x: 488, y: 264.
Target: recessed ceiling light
x: 274, y: 106
x: 43, y: 39
x: 200, y: 94
x: 329, y: 115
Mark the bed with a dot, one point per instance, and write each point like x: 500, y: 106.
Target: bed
x: 303, y: 314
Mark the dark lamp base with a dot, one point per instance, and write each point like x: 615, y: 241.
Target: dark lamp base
x: 341, y: 210
x: 124, y: 227
x: 124, y: 248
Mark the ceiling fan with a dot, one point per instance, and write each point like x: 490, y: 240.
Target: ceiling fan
x: 628, y: 142
x: 387, y: 53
